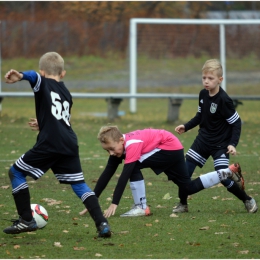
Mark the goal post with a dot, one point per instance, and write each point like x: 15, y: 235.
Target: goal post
x: 133, y: 46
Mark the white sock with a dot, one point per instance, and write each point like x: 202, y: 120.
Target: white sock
x: 212, y: 178
x: 138, y: 193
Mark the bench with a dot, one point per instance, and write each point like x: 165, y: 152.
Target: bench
x: 114, y: 100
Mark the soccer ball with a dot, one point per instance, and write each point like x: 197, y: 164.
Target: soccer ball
x: 40, y: 215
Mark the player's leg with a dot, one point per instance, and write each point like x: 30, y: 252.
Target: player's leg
x: 221, y: 160
x: 91, y: 203
x: 195, y: 156
x: 137, y: 186
x: 68, y: 171
x: 191, y: 166
x: 26, y: 165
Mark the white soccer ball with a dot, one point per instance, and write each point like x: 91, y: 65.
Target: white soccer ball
x: 40, y: 215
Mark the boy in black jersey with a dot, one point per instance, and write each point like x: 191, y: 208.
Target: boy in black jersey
x: 56, y: 147
x: 219, y: 132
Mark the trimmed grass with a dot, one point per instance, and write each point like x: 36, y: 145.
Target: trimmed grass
x: 217, y: 225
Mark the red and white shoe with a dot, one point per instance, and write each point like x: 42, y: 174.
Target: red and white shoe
x: 237, y: 175
x: 137, y: 211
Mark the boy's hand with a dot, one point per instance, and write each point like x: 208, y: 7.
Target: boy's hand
x: 180, y: 129
x: 13, y: 76
x: 33, y: 123
x: 232, y: 150
x: 110, y: 211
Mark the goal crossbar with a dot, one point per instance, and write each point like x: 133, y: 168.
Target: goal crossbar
x: 133, y: 43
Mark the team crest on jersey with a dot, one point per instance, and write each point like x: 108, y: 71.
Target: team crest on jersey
x: 213, y: 108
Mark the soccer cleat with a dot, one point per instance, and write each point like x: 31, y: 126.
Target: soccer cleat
x: 137, y: 211
x: 20, y: 226
x: 237, y: 176
x: 180, y: 208
x: 104, y: 230
x: 251, y: 206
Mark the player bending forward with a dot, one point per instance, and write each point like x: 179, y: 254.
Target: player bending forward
x: 157, y: 149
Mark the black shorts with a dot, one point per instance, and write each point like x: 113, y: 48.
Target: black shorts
x: 199, y: 154
x: 67, y: 169
x: 172, y: 163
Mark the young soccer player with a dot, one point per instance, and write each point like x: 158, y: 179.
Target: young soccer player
x: 56, y: 147
x: 157, y: 149
x: 219, y: 133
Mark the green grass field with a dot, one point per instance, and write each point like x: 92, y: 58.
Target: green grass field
x: 217, y: 225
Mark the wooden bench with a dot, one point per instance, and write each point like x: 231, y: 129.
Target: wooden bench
x: 114, y: 100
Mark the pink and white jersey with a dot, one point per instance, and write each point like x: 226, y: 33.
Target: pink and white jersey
x: 141, y: 144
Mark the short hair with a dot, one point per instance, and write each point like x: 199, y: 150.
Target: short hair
x: 213, y: 65
x: 108, y: 133
x: 52, y: 63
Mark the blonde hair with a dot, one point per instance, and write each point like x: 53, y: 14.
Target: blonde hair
x: 108, y: 133
x: 213, y: 65
x: 52, y: 63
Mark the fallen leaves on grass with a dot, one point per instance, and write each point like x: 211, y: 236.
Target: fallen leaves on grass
x: 57, y: 244
x: 204, y: 228
x: 224, y: 225
x: 160, y: 207
x: 123, y: 232
x: 174, y: 215
x: 193, y: 243
x: 78, y: 248
x: 108, y: 244
x: 5, y: 187
x: 97, y: 254
x: 228, y: 199
x: 16, y: 246
x: 244, y: 252
x: 51, y: 202
x: 167, y: 196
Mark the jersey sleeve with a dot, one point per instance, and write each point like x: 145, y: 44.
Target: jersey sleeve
x: 30, y: 76
x: 196, y: 119
x: 107, y: 174
x: 233, y: 119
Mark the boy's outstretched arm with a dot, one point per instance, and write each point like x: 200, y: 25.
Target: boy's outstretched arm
x: 13, y: 76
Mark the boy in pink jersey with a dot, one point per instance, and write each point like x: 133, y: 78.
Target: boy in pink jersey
x: 157, y: 149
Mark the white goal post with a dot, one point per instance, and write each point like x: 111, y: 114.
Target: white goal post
x: 133, y: 37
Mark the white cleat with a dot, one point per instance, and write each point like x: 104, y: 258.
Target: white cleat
x: 136, y: 211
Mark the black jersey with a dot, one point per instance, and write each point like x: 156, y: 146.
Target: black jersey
x: 53, y: 103
x: 219, y: 122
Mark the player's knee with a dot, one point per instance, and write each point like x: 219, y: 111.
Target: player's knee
x: 80, y: 189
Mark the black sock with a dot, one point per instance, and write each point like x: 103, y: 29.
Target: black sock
x: 23, y: 204
x: 183, y: 195
x: 234, y: 189
x: 93, y: 207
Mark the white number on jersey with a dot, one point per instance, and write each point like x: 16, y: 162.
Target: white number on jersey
x: 60, y: 110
